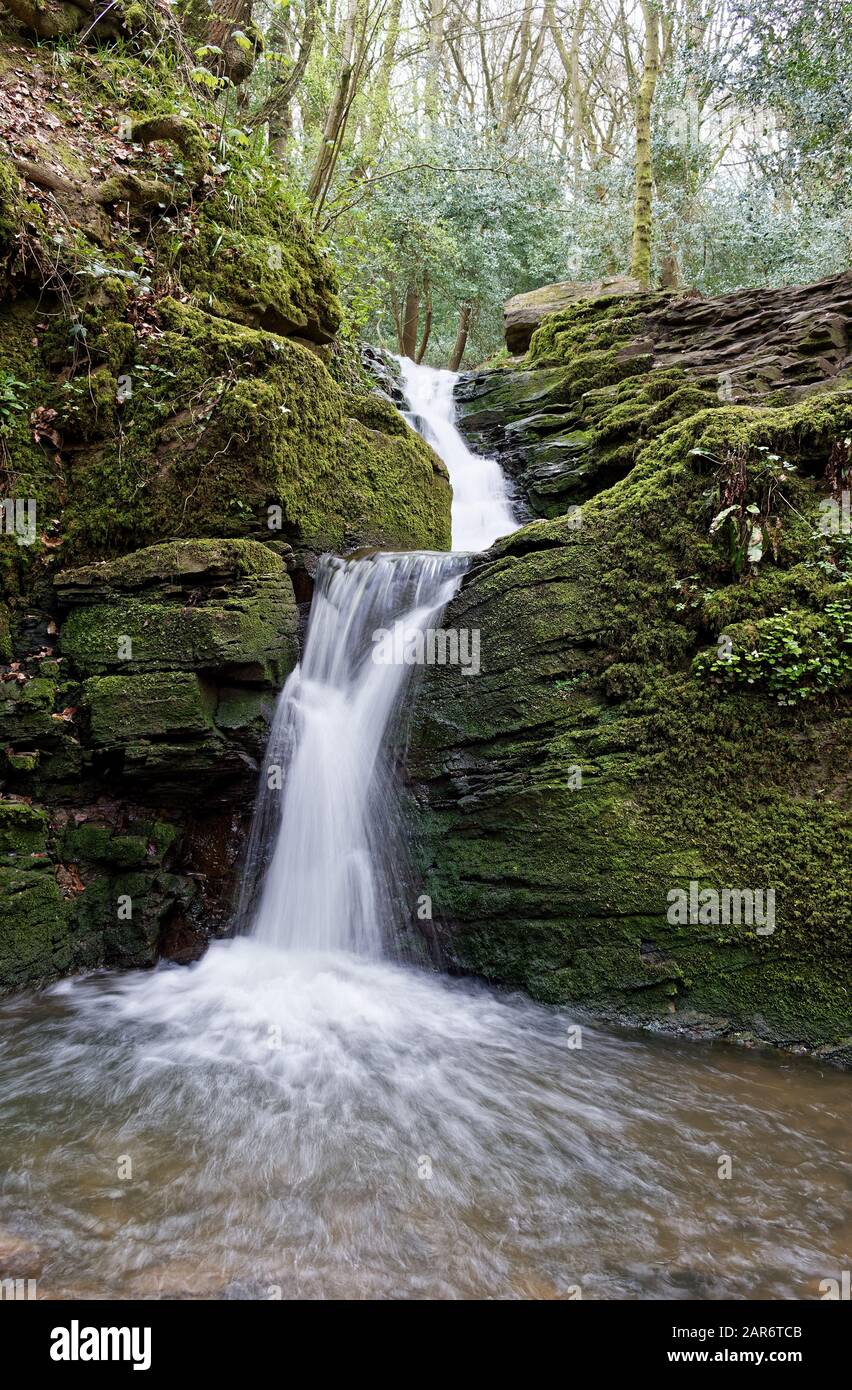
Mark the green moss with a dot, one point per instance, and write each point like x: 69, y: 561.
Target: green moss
x: 162, y: 835
x: 266, y: 272
x: 238, y: 708
x: 192, y: 560
x: 136, y: 636
x: 19, y: 218
x: 596, y: 326
x: 796, y: 656
x: 26, y: 469
x: 38, y: 694
x: 34, y: 938
x: 23, y: 828
x: 589, y: 633
x: 22, y: 762
x: 102, y: 844
x: 201, y: 422
x: 126, y: 708
x: 585, y: 403
x: 5, y: 633
x: 189, y: 605
x: 265, y: 426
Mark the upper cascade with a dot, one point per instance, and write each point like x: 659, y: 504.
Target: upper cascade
x: 482, y: 510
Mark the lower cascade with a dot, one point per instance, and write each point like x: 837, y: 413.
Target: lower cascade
x: 325, y: 854
x: 325, y: 849
x: 304, y: 1116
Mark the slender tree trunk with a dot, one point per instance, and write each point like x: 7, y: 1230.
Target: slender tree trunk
x: 410, y: 320
x: 460, y: 344
x: 577, y: 100
x: 276, y: 109
x: 670, y: 271
x: 427, y: 321
x: 574, y: 91
x: 640, y: 259
x: 397, y: 321
x: 380, y: 91
x: 328, y: 150
x: 433, y: 61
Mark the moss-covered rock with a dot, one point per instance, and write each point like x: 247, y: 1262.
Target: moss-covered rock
x: 165, y: 674
x: 204, y: 605
x: 175, y: 414
x: 657, y: 714
x: 236, y: 431
x: 177, y: 392
x: 23, y: 829
x: 606, y: 374
x: 34, y: 936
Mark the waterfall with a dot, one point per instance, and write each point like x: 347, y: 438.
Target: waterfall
x: 327, y: 805
x: 318, y: 1122
x: 481, y: 508
x: 326, y: 850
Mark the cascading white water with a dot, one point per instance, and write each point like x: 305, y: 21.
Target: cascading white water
x: 482, y: 511
x: 327, y: 805
x: 325, y: 855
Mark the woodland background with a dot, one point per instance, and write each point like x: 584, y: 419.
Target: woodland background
x: 454, y: 152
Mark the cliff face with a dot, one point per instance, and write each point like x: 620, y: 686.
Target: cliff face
x: 181, y: 433
x: 662, y: 714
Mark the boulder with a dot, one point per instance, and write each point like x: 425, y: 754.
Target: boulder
x: 139, y: 740
x: 523, y: 313
x: 605, y: 375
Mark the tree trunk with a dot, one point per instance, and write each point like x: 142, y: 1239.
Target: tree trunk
x: 276, y: 109
x: 461, y: 337
x: 397, y: 321
x: 640, y: 260
x: 380, y: 91
x: 433, y: 58
x: 670, y: 272
x: 577, y: 101
x: 410, y: 320
x: 328, y: 150
x: 239, y: 54
x: 427, y: 321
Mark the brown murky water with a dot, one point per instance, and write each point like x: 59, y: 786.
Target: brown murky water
x: 270, y: 1125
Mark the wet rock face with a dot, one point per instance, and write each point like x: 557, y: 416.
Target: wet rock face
x: 383, y: 368
x: 604, y: 373
x: 604, y: 765
x: 132, y: 754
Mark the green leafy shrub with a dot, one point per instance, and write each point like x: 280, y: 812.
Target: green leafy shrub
x: 794, y: 656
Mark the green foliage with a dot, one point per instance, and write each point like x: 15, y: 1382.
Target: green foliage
x: 745, y: 498
x: 727, y: 234
x: 794, y: 59
x: 12, y: 401
x: 466, y: 219
x: 796, y: 656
